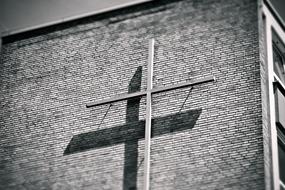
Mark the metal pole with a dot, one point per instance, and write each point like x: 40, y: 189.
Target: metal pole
x: 148, y: 116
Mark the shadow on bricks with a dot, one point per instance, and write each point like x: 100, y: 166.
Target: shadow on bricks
x: 132, y: 132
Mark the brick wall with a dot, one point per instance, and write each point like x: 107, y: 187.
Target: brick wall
x: 211, y: 140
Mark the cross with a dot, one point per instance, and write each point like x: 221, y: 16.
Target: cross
x: 104, y: 137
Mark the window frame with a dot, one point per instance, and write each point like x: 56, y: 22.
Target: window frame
x: 271, y: 24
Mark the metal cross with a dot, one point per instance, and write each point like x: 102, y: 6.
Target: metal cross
x: 133, y: 100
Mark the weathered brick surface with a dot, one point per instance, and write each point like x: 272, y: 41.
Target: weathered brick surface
x: 48, y: 77
x: 265, y: 101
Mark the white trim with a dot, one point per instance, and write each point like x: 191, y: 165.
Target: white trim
x: 271, y: 23
x: 66, y: 19
x: 279, y: 80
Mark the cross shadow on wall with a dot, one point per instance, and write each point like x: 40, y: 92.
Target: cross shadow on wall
x: 132, y: 132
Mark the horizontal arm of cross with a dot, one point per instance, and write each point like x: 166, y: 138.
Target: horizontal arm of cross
x: 153, y: 91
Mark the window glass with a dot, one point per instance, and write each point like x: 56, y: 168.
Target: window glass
x: 281, y: 154
x: 279, y: 7
x: 278, y: 60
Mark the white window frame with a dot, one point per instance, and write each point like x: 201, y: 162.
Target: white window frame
x: 271, y: 24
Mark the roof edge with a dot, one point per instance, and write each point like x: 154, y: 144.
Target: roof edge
x: 71, y: 18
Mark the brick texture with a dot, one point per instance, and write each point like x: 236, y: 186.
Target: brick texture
x: 211, y: 140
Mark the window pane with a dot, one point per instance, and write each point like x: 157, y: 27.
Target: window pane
x: 279, y: 106
x: 279, y: 7
x: 281, y: 154
x: 278, y: 64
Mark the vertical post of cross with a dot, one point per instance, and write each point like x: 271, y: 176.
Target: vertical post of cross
x: 148, y: 116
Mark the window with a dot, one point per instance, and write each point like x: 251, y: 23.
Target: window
x: 281, y: 156
x: 279, y: 96
x: 278, y: 60
x: 278, y: 57
x: 279, y: 93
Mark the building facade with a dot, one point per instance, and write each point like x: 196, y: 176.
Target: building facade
x: 221, y: 134
x: 274, y: 38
